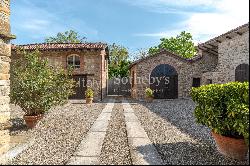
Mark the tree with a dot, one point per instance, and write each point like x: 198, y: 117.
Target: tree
x: 36, y: 86
x: 181, y: 44
x: 139, y: 54
x: 66, y: 37
x: 119, y: 63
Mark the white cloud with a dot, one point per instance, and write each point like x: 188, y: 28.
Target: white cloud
x: 38, y: 22
x: 227, y: 14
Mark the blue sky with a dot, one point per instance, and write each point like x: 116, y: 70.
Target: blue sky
x: 135, y: 24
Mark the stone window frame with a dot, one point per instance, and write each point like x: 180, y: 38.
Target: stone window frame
x: 74, y: 65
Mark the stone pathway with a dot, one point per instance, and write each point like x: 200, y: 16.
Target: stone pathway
x: 89, y: 150
x: 143, y: 152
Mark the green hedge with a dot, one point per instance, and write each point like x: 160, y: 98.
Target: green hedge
x: 224, y: 108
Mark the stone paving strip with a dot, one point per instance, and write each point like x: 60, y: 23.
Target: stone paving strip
x: 115, y: 148
x: 89, y: 150
x: 143, y: 152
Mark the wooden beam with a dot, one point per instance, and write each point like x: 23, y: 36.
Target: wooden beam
x: 213, y: 45
x: 218, y: 41
x: 209, y: 51
x: 239, y: 33
x: 207, y: 48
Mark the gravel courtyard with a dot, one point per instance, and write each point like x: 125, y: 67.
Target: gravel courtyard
x: 57, y: 135
x: 169, y: 124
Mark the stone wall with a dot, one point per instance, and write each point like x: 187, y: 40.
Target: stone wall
x: 5, y: 53
x: 232, y: 52
x: 186, y: 69
x: 91, y: 64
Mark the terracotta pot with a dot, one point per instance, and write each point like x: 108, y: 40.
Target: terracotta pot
x: 149, y: 99
x: 89, y: 100
x: 231, y: 147
x: 31, y: 121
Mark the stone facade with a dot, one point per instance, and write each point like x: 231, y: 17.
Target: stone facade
x: 5, y: 53
x: 186, y: 69
x: 214, y: 64
x: 232, y: 52
x: 92, y: 64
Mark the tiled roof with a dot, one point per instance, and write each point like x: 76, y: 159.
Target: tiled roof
x: 195, y: 58
x: 54, y: 46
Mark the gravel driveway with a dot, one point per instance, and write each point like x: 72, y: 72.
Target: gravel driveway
x: 171, y: 126
x: 115, y: 149
x: 58, y: 134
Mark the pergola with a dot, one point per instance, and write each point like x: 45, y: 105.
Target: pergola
x: 211, y: 46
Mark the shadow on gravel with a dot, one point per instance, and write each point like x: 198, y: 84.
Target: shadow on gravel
x: 18, y: 125
x: 179, y: 113
x: 185, y: 153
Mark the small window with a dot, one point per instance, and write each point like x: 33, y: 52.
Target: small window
x: 74, y: 61
x: 196, y: 82
x: 209, y: 81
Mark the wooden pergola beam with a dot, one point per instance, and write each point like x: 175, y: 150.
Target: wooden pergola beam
x: 213, y: 45
x: 218, y: 41
x: 238, y: 33
x: 207, y: 50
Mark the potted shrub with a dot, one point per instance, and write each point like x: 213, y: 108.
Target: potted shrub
x: 224, y: 108
x: 89, y: 94
x: 36, y: 86
x: 149, y: 95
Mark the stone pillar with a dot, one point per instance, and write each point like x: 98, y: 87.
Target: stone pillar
x: 5, y: 53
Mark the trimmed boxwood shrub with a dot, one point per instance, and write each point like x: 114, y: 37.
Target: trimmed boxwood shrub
x: 224, y: 108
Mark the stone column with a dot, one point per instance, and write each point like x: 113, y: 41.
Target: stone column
x: 5, y: 53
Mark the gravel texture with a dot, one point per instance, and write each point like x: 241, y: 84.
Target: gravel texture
x: 58, y: 134
x: 171, y: 126
x: 115, y: 149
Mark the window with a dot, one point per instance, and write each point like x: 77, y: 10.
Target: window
x: 209, y: 81
x: 242, y: 73
x: 74, y: 61
x: 196, y: 82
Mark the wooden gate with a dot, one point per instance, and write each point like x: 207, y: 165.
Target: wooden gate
x: 119, y: 87
x: 81, y: 82
x: 164, y: 82
x: 242, y: 73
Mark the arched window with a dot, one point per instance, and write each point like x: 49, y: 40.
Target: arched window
x: 73, y: 61
x: 242, y: 73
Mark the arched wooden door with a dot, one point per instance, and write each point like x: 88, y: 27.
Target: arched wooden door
x: 242, y: 73
x: 164, y: 82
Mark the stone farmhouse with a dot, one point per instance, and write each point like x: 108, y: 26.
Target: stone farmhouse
x: 89, y: 61
x: 220, y: 60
